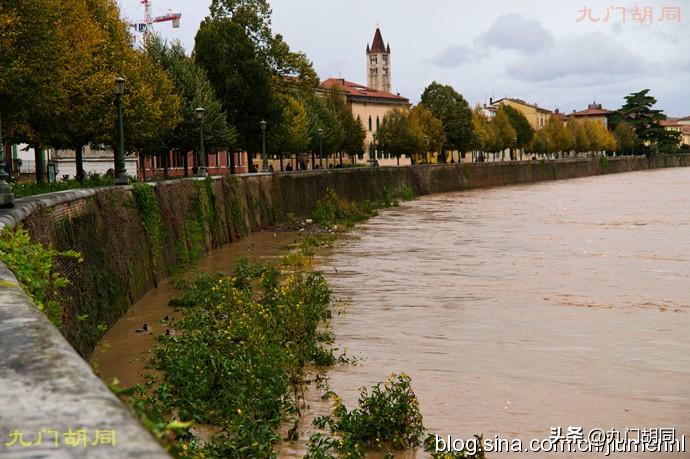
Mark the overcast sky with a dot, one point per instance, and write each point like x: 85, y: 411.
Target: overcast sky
x: 535, y: 50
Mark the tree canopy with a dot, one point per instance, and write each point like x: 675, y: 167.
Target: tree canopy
x: 452, y: 109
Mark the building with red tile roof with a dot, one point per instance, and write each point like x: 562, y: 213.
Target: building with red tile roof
x: 594, y: 111
x: 370, y: 106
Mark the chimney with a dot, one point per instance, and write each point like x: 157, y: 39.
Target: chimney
x: 491, y: 100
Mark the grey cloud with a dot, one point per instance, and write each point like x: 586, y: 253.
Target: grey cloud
x: 516, y: 32
x: 508, y: 32
x: 593, y: 54
x: 454, y: 55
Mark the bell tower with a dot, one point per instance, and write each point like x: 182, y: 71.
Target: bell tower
x: 379, y: 64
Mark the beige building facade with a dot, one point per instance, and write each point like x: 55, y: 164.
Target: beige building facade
x: 537, y: 116
x: 370, y: 107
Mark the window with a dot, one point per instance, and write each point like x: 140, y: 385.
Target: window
x: 385, y: 71
x: 370, y: 122
x: 385, y: 59
x: 372, y: 71
x: 373, y: 60
x: 378, y: 123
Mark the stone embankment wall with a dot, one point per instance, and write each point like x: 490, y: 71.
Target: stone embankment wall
x: 130, y: 243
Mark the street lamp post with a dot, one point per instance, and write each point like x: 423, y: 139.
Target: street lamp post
x: 120, y: 170
x: 320, y: 131
x: 262, y: 125
x: 202, y: 172
x: 6, y: 195
x: 426, y: 140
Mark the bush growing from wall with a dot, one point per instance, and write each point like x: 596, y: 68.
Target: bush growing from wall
x: 34, y: 266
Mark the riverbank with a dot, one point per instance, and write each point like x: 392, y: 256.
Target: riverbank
x: 129, y: 242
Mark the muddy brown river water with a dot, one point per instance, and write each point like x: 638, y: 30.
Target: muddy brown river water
x: 523, y: 308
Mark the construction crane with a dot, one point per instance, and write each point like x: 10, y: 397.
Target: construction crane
x: 145, y: 25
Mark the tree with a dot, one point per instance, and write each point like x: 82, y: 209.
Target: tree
x: 452, y: 109
x: 482, y: 131
x: 428, y: 128
x: 626, y: 138
x: 353, y: 133
x: 523, y: 130
x: 582, y: 140
x: 291, y: 134
x: 253, y: 16
x: 194, y: 89
x: 353, y: 145
x: 600, y: 139
x: 504, y: 132
x: 556, y: 136
x: 240, y: 77
x: 284, y: 62
x: 321, y: 117
x: 638, y: 113
x: 397, y: 135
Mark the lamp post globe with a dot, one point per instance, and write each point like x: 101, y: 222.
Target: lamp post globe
x: 203, y: 171
x: 120, y: 170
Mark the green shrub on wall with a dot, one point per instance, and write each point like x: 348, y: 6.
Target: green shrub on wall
x: 604, y: 162
x: 150, y: 213
x: 34, y: 266
x: 233, y: 207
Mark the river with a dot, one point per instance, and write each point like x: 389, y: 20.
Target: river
x: 522, y: 308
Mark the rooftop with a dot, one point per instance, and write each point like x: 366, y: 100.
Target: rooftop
x: 519, y: 101
x: 592, y: 110
x: 356, y: 90
x: 377, y: 46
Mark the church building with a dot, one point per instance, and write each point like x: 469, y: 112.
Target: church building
x: 371, y: 103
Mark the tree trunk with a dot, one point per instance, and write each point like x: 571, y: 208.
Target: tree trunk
x: 142, y: 162
x: 231, y: 160
x: 79, y: 161
x: 38, y: 156
x: 185, y: 163
x: 341, y: 158
x: 313, y: 160
x: 166, y: 158
x: 281, y: 163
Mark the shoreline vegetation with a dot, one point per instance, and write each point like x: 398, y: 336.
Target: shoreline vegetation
x: 246, y: 345
x: 235, y: 370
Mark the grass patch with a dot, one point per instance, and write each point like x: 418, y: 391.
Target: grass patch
x: 22, y: 190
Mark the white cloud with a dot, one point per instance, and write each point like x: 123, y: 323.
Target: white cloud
x: 594, y: 54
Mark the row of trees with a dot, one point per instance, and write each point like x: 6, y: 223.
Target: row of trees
x: 443, y: 121
x: 59, y: 60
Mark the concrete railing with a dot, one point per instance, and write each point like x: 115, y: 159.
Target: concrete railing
x: 48, y: 394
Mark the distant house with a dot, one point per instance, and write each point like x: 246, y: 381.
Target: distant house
x: 594, y: 112
x: 536, y: 115
x: 679, y: 125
